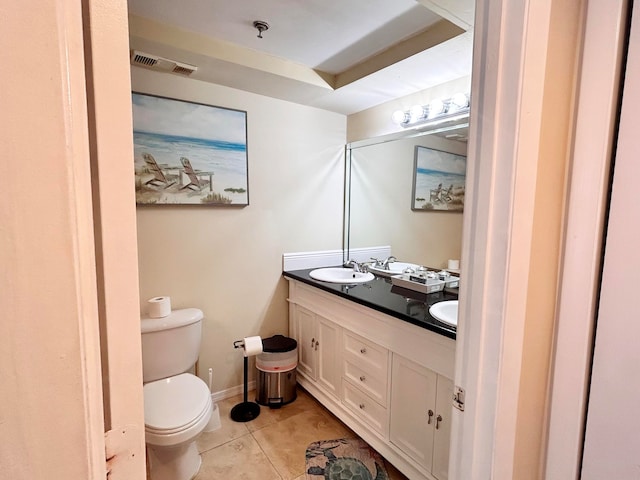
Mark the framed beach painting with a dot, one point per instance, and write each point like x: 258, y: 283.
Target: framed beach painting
x: 438, y: 180
x: 189, y: 153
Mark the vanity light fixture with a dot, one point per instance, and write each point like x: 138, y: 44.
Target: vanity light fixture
x: 438, y: 111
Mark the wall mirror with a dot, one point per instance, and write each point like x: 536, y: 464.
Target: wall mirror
x: 378, y: 198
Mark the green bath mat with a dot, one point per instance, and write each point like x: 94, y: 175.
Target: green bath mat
x: 344, y: 459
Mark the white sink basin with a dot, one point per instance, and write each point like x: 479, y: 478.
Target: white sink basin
x: 446, y: 312
x: 340, y: 275
x: 395, y: 268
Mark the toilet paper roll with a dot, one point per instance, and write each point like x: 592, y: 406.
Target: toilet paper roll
x: 453, y: 265
x: 252, y: 346
x: 158, y: 307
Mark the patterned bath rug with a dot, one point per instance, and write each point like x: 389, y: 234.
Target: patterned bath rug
x: 344, y: 459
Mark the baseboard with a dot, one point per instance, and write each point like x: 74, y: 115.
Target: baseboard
x: 233, y: 391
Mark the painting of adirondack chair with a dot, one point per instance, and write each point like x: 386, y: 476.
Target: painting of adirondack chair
x: 160, y: 178
x: 435, y: 196
x: 447, y: 195
x: 196, y: 180
x: 438, y: 180
x: 177, y: 147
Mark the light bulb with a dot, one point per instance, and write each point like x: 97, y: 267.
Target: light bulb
x: 460, y: 101
x: 399, y: 117
x: 436, y: 108
x: 417, y: 113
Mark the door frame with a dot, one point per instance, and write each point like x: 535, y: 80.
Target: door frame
x: 597, y: 108
x: 108, y: 86
x: 503, y: 331
x: 610, y: 435
x: 497, y: 244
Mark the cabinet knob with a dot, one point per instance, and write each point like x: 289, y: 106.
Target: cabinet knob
x: 363, y: 350
x: 362, y: 378
x: 317, y: 343
x: 361, y: 406
x: 438, y: 420
x: 430, y: 413
x: 313, y: 341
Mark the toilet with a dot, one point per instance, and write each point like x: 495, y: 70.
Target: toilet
x: 177, y: 405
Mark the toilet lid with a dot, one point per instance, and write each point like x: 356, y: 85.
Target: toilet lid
x: 174, y: 402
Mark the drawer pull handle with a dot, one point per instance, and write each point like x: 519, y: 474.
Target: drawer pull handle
x: 438, y: 420
x: 430, y: 413
x: 363, y: 350
x: 317, y: 343
x: 362, y: 378
x: 313, y: 341
x: 361, y: 406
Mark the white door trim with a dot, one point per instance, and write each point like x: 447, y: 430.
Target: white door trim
x: 611, y: 440
x: 520, y: 50
x: 586, y: 204
x: 110, y: 127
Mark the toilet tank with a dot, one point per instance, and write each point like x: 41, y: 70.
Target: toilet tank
x: 171, y: 344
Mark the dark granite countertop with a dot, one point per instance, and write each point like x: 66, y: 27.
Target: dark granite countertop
x: 381, y: 295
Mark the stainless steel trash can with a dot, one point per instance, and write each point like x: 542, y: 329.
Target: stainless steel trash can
x: 276, y: 379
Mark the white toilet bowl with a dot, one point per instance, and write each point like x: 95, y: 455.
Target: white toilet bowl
x: 176, y: 411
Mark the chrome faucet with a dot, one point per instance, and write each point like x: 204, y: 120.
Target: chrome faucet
x: 354, y: 264
x: 376, y: 262
x: 387, y: 261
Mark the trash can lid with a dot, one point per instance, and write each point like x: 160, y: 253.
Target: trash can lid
x: 278, y: 343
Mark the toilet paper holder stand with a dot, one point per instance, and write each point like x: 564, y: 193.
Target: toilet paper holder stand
x: 244, y: 411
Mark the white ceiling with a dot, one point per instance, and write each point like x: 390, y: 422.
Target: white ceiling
x: 340, y: 55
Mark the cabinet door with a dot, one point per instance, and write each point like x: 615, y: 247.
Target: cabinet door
x: 327, y: 343
x: 413, y: 410
x: 307, y: 337
x: 442, y: 433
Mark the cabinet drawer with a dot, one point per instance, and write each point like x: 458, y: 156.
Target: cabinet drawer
x: 372, y: 358
x: 364, y: 407
x: 367, y: 381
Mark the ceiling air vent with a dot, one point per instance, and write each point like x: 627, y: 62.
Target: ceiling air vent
x: 184, y: 69
x: 160, y: 64
x: 144, y: 59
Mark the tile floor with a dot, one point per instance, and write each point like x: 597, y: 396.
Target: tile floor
x: 272, y: 446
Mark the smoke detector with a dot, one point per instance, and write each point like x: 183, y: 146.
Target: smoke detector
x: 153, y: 62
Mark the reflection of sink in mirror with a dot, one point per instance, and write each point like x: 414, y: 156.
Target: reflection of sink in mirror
x: 395, y: 268
x: 340, y: 275
x: 446, y: 312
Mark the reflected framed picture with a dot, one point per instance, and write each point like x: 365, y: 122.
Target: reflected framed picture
x: 438, y: 180
x: 189, y: 153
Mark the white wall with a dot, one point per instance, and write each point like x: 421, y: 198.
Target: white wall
x: 227, y: 261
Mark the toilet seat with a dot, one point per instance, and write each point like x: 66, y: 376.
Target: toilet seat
x: 176, y: 409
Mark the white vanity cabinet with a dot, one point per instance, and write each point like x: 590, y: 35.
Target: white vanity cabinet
x: 318, y: 347
x: 379, y: 374
x: 420, y: 423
